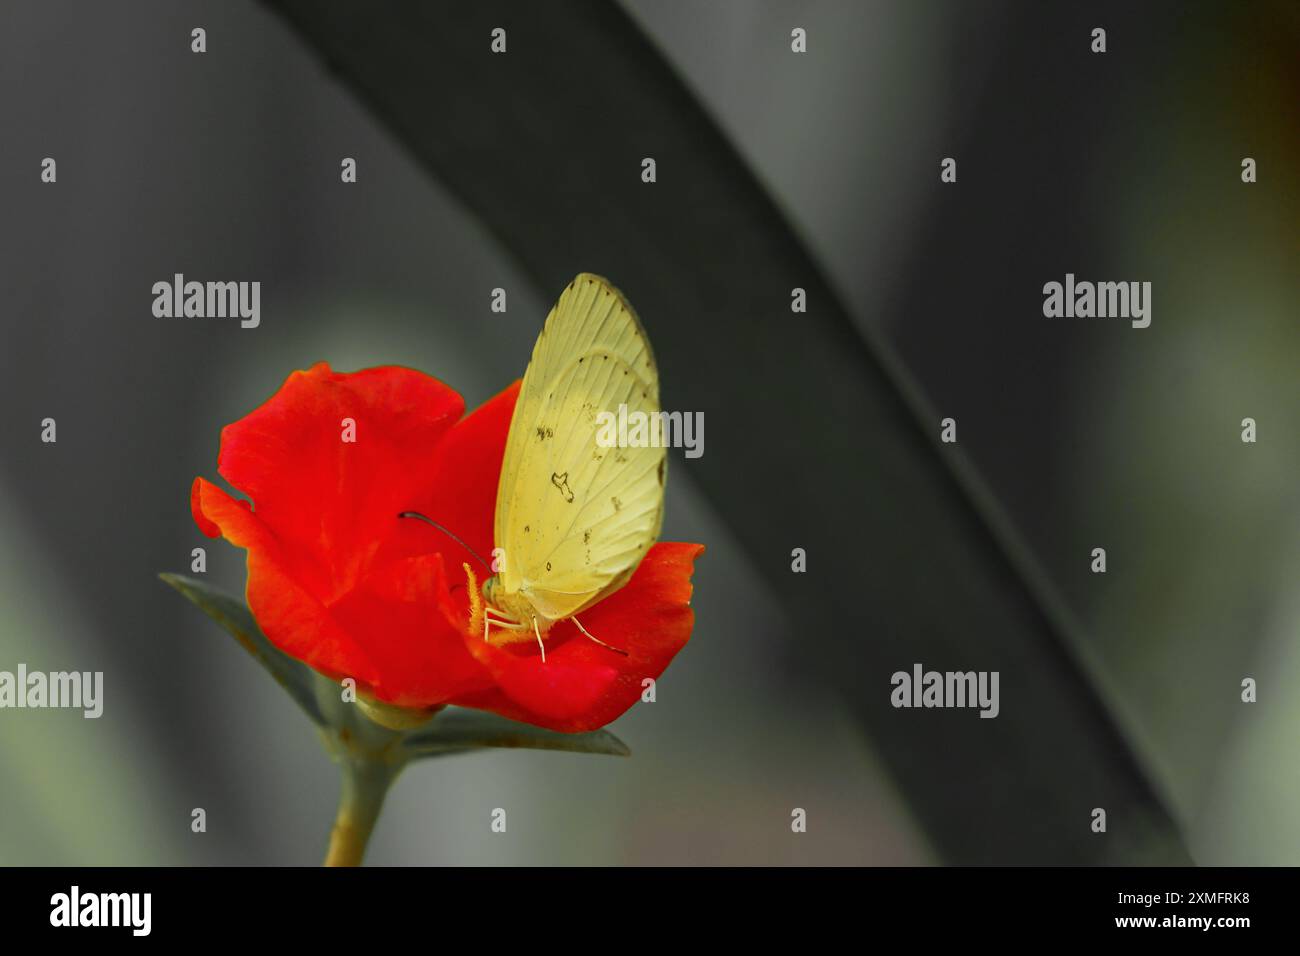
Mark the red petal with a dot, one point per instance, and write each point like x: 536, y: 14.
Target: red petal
x: 420, y: 659
x: 291, y: 618
x: 583, y: 686
x: 330, y: 501
x: 196, y: 509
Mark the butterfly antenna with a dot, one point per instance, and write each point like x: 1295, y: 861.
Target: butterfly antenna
x: 448, y: 533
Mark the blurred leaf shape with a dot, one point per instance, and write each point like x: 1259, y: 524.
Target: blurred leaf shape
x: 829, y: 446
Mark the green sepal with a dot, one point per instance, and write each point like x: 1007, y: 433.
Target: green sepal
x: 233, y: 615
x: 456, y: 730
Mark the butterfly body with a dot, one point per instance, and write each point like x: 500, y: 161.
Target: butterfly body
x: 514, y: 606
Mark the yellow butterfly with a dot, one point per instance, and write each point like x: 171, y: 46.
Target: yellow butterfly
x: 574, y: 518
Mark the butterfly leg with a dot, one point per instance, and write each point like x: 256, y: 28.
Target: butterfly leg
x: 588, y: 634
x: 501, y: 622
x: 488, y: 621
x: 515, y: 626
x: 539, y: 640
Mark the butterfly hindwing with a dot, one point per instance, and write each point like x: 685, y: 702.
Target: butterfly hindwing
x: 575, y: 518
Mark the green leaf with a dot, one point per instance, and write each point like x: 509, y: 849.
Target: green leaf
x: 460, y: 731
x: 232, y: 614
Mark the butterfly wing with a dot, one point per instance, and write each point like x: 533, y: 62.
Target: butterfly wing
x: 575, y: 518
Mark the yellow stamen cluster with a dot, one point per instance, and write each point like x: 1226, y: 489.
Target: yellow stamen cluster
x: 475, y: 603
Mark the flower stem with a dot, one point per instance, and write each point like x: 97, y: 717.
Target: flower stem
x: 365, y: 783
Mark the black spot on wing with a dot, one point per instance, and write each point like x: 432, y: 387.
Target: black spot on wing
x: 562, y: 483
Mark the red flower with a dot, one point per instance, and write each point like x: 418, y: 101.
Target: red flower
x: 338, y: 581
